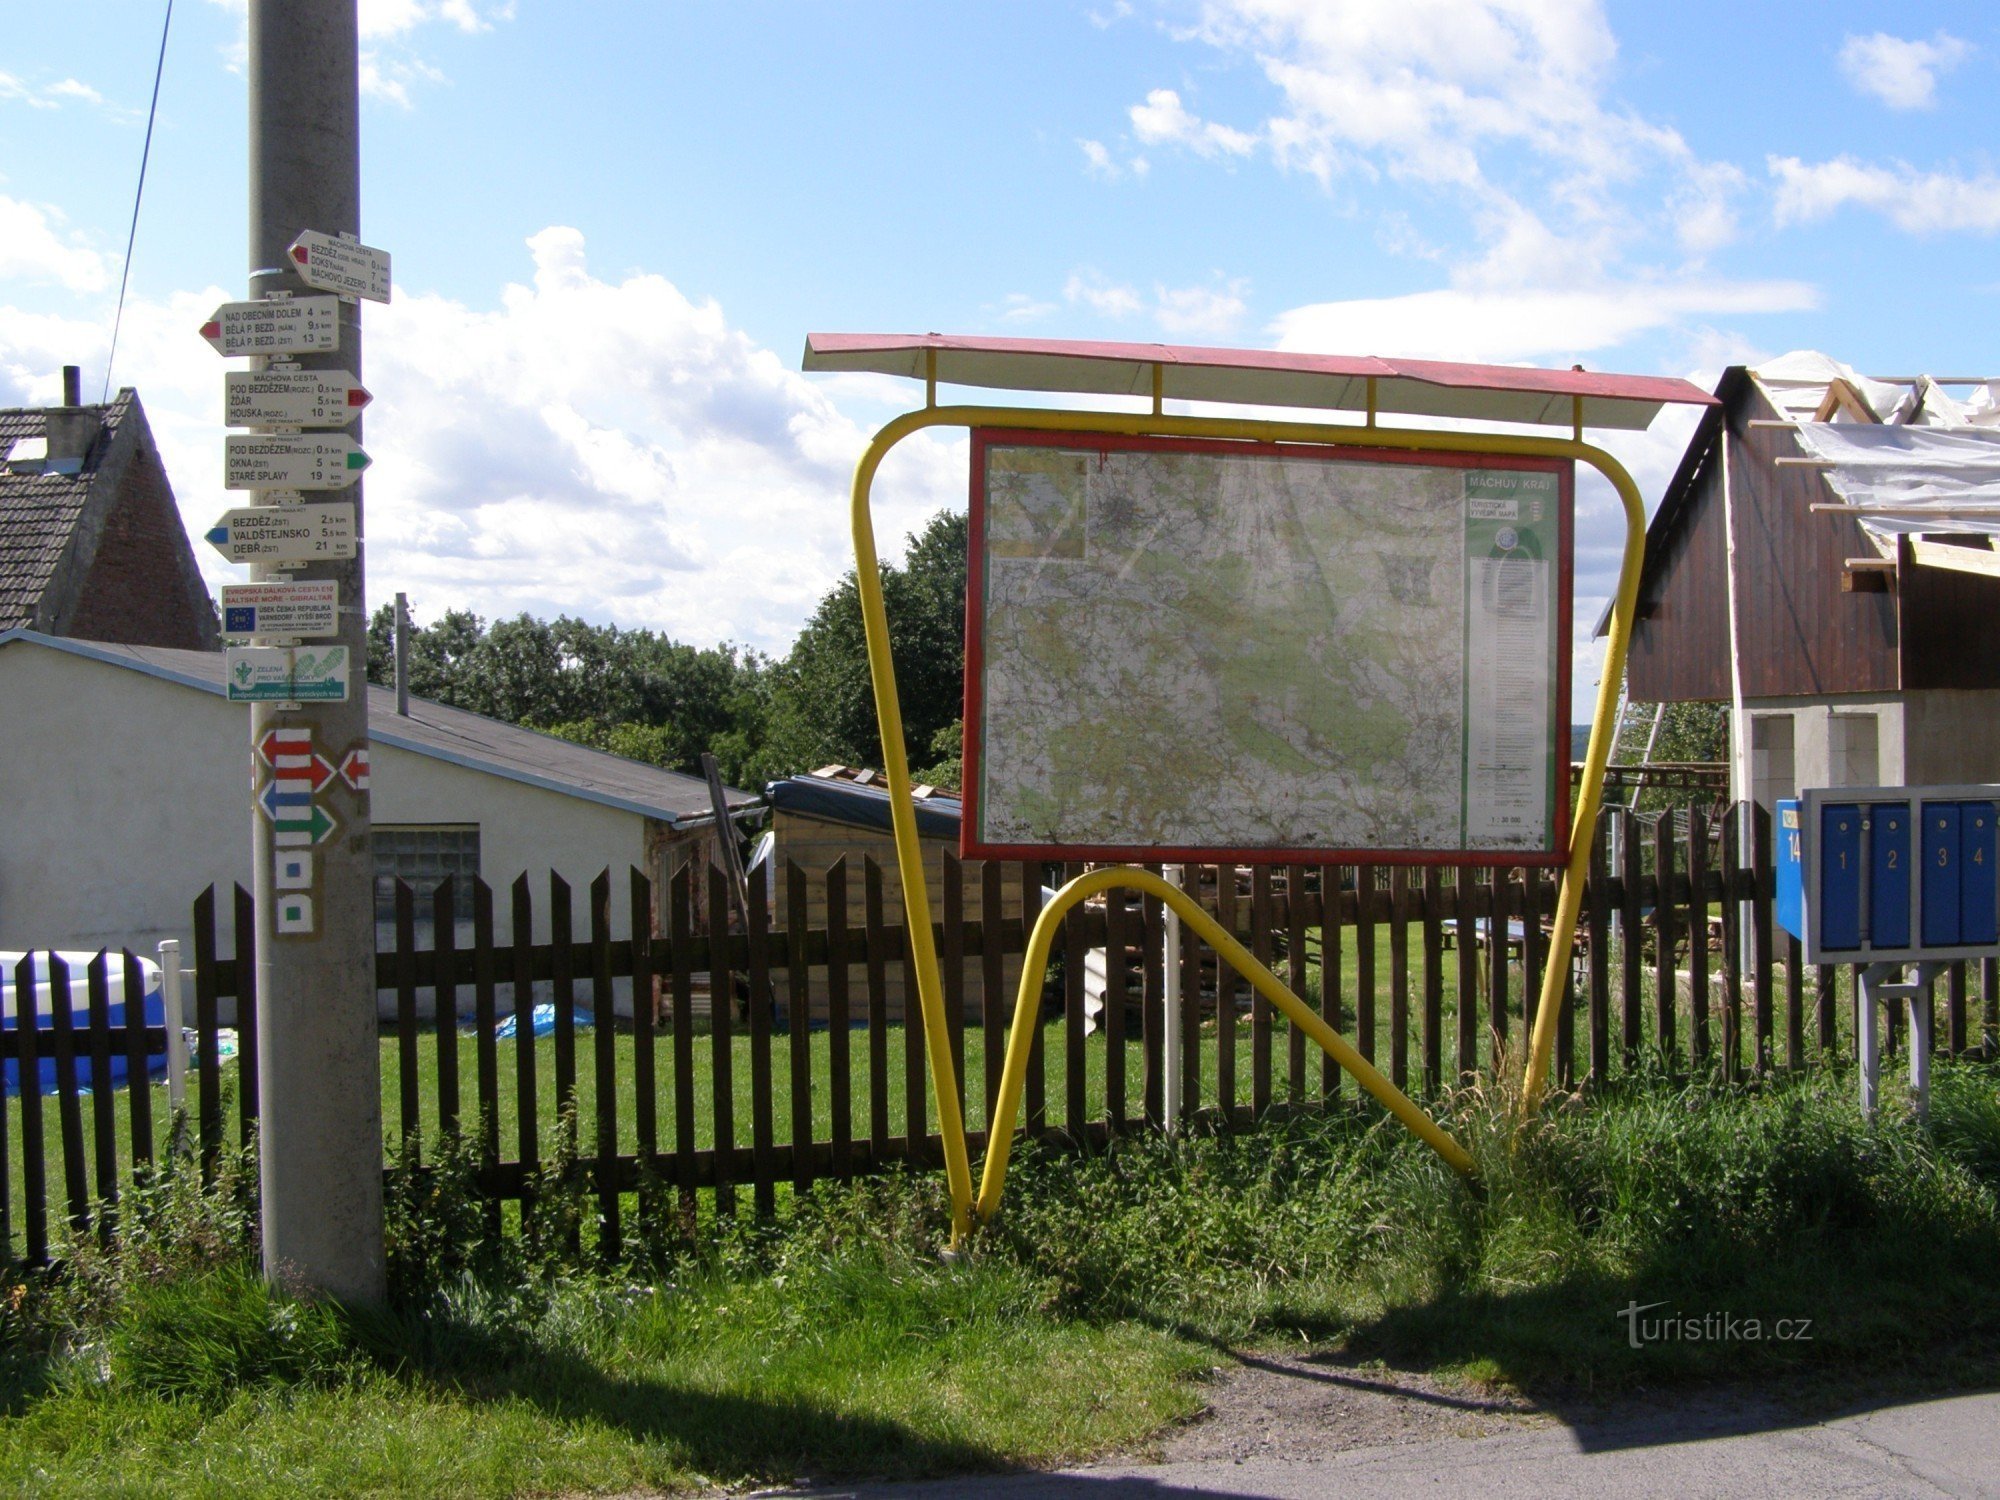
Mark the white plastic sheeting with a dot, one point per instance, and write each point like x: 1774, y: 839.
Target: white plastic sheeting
x: 1930, y: 464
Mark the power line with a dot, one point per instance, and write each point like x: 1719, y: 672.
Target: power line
x: 145, y: 153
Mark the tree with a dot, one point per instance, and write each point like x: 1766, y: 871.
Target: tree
x: 822, y: 699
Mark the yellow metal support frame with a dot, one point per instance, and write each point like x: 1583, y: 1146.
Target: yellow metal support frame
x: 902, y: 809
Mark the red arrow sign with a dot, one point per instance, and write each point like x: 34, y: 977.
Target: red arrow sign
x: 284, y: 742
x: 354, y: 769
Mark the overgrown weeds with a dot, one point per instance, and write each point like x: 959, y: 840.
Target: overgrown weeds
x: 833, y: 1340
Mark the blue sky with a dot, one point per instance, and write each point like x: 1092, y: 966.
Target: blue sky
x: 613, y: 225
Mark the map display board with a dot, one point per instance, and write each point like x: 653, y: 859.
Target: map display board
x: 1201, y: 650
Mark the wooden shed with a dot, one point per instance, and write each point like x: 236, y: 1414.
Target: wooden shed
x: 1824, y: 561
x: 838, y: 813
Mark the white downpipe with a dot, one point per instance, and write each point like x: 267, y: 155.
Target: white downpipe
x: 1739, y: 724
x: 1170, y: 1050
x: 172, y: 1018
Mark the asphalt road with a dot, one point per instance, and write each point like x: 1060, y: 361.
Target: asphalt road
x: 1948, y: 1447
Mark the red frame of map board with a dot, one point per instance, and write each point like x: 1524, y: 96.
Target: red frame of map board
x: 971, y: 846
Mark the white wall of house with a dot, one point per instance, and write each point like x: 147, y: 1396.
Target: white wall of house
x: 1928, y: 738
x: 122, y: 795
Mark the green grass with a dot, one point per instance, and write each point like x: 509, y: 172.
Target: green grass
x: 833, y: 1343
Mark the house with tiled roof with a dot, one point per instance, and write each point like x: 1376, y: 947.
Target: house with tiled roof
x: 91, y: 543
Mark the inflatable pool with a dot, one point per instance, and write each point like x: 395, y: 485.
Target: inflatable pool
x: 151, y: 1008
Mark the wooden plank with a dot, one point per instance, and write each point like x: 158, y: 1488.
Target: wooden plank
x: 34, y: 1161
x: 878, y: 1015
x: 208, y: 1063
x: 138, y: 1093
x: 246, y: 1018
x: 1954, y: 1015
x: 1664, y: 982
x: 1117, y: 992
x: 1036, y: 1091
x: 1694, y: 919
x: 1295, y: 978
x: 406, y: 1015
x: 604, y: 1039
x: 562, y: 965
x: 915, y: 1038
x: 1466, y: 915
x: 1532, y: 956
x: 1500, y: 894
x: 721, y: 1009
x: 951, y: 958
x: 1075, y: 1104
x: 763, y: 1106
x: 645, y: 1030
x: 1260, y: 1008
x: 1225, y: 999
x: 995, y: 1006
x: 798, y: 1022
x: 680, y: 951
x: 1795, y: 1003
x: 103, y: 1097
x: 1152, y: 1005
x: 526, y: 1086
x: 1632, y: 938
x: 1365, y: 973
x: 1733, y: 933
x: 1332, y: 997
x: 1597, y: 937
x: 1764, y: 949
x: 69, y: 1098
x: 839, y: 1030
x: 486, y: 1052
x: 1399, y: 976
x: 444, y: 1000
x: 1989, y: 1042
x: 1189, y: 1040
x: 1433, y: 944
x: 6, y: 1144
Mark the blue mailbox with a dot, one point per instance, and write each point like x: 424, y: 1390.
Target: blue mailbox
x: 1890, y: 874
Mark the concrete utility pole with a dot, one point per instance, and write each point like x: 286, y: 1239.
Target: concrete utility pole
x: 319, y: 1083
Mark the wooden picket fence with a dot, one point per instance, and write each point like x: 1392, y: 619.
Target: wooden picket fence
x: 1434, y: 974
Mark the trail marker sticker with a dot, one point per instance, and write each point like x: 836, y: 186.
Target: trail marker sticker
x: 354, y: 769
x: 298, y: 609
x: 291, y: 398
x: 285, y: 534
x: 345, y: 266
x: 287, y: 674
x: 292, y: 870
x: 295, y: 915
x: 280, y: 325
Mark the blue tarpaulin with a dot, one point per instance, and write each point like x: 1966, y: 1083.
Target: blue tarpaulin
x: 543, y: 1021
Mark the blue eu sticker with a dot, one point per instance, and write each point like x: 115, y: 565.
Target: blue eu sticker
x: 240, y: 619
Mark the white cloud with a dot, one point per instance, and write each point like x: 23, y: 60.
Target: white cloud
x: 1111, y: 15
x: 1019, y: 307
x: 1902, y: 74
x: 47, y: 96
x: 1501, y: 326
x: 390, y: 78
x: 390, y: 67
x: 32, y: 250
x: 387, y: 18
x: 1209, y: 311
x: 609, y: 448
x: 1919, y: 202
x: 1164, y: 120
x: 1106, y: 299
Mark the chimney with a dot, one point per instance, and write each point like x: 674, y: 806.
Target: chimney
x: 72, y: 427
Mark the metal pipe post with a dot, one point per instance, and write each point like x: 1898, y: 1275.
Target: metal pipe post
x: 319, y: 1071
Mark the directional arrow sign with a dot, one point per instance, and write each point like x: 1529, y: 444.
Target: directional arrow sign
x: 291, y: 398
x: 309, y: 461
x: 295, y: 818
x: 345, y: 266
x: 308, y: 609
x: 284, y: 325
x: 286, y: 674
x: 285, y: 534
x: 354, y: 769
